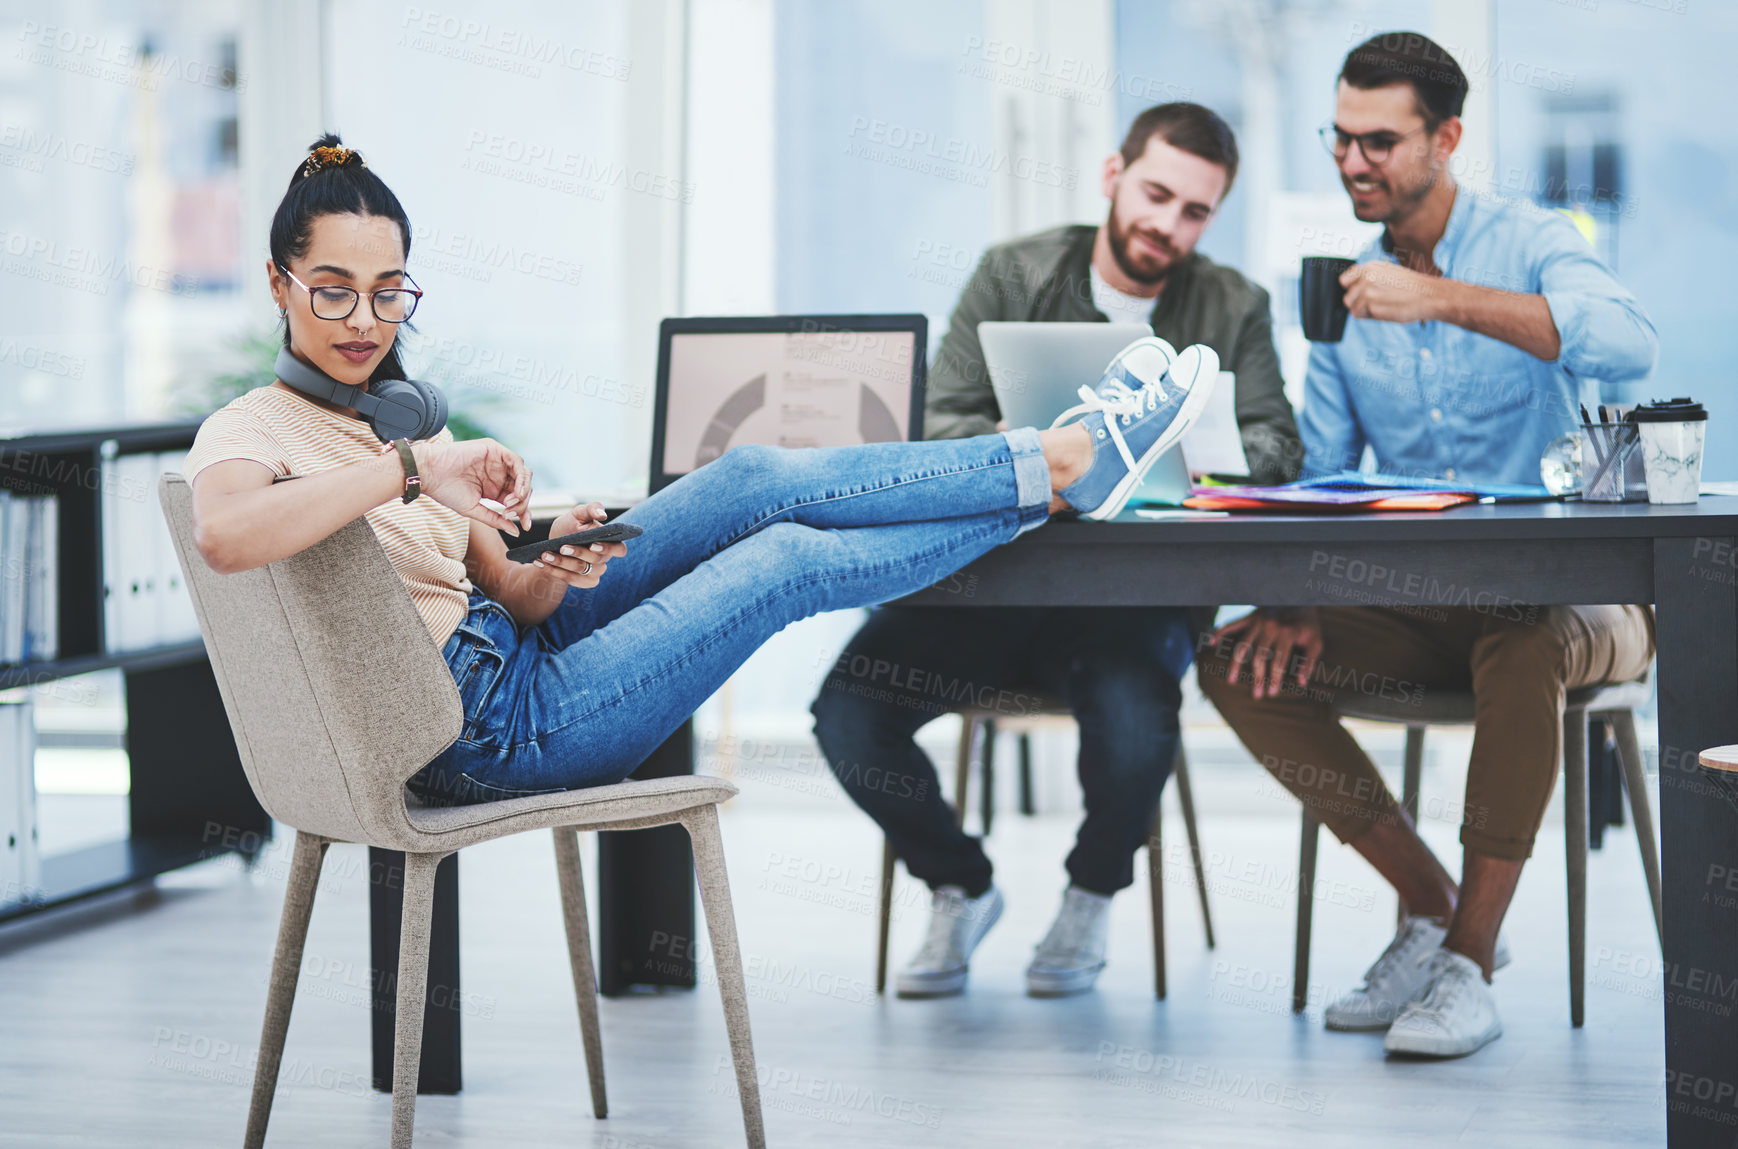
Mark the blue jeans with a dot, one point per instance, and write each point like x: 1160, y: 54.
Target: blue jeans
x: 732, y: 553
x: 1117, y: 668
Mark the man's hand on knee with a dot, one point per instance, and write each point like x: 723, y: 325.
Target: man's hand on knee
x: 1274, y: 642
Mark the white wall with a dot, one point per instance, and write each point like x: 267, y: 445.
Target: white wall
x: 728, y: 230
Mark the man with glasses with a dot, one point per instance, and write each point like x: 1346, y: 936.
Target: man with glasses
x: 1476, y: 326
x: 1117, y: 669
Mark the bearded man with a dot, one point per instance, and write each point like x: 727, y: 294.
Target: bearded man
x: 1118, y: 669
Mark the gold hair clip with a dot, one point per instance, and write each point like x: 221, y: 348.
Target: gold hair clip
x: 321, y: 158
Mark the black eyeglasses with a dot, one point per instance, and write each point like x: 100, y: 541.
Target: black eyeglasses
x: 1376, y: 146
x: 390, y: 304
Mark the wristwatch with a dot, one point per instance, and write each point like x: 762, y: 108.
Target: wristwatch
x: 412, y: 480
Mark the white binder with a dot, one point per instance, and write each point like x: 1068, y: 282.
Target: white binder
x: 176, y: 621
x: 109, y: 512
x: 14, y: 576
x: 131, y: 531
x: 42, y: 594
x: 20, y: 862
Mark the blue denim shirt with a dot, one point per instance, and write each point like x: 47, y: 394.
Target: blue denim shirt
x: 1438, y: 401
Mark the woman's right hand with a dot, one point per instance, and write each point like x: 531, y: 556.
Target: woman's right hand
x: 459, y: 475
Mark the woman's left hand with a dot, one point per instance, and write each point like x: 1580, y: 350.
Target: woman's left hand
x: 583, y: 567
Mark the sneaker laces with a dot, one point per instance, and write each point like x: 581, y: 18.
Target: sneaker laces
x: 1446, y: 989
x: 1114, y: 397
x: 1130, y: 405
x: 947, y: 910
x: 1400, y: 950
x: 1075, y: 921
x: 1119, y: 404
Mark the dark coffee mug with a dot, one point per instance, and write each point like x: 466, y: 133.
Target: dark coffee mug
x: 1320, y: 298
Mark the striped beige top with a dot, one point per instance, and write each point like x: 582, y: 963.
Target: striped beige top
x: 424, y: 541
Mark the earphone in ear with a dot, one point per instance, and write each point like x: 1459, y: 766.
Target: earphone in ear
x: 393, y: 408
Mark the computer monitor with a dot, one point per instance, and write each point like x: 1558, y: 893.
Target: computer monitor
x: 784, y: 380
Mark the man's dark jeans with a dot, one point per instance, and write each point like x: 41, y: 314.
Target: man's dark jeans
x: 1117, y: 668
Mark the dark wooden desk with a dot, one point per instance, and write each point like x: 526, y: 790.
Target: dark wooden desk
x: 1684, y: 560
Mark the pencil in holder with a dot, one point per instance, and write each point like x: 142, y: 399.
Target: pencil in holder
x: 1611, y: 464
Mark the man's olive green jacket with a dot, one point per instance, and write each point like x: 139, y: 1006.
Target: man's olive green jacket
x: 1046, y: 278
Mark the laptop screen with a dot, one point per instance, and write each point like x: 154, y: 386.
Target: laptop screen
x: 784, y: 381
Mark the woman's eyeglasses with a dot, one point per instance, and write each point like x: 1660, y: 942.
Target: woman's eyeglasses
x: 1376, y: 146
x: 390, y: 304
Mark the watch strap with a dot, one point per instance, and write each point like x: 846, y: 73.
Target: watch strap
x: 412, y: 480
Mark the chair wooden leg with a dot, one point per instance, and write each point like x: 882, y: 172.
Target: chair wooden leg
x: 1028, y: 806
x: 702, y: 825
x: 987, y: 780
x: 419, y: 880
x: 305, y: 862
x: 1641, y: 810
x: 1412, y: 777
x: 884, y: 916
x: 1411, y: 782
x: 963, y: 766
x: 1575, y: 850
x: 1306, y: 902
x: 1600, y: 779
x: 1612, y: 803
x: 1156, y: 884
x: 572, y: 882
x: 1186, y: 797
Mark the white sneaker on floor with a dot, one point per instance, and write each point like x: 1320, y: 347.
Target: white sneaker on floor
x: 1392, y: 983
x: 1399, y: 978
x: 1457, y: 1014
x: 1071, y: 955
x: 956, y: 925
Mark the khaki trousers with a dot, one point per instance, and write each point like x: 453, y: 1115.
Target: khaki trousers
x: 1518, y: 661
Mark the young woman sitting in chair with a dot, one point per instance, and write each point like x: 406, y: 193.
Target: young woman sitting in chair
x: 570, y: 678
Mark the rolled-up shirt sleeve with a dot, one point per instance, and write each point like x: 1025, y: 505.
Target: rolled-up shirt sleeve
x: 1603, y: 330
x: 1332, y: 439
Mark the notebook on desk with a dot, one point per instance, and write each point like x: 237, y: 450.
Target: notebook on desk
x: 1318, y: 500
x: 1360, y: 481
x: 1353, y: 492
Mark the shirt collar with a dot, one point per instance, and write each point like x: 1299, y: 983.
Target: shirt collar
x: 1459, y: 218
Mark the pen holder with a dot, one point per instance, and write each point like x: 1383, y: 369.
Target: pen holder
x: 1612, y: 470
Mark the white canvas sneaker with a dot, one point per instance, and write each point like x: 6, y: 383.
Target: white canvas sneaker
x: 1456, y: 1015
x: 956, y: 925
x: 1071, y: 955
x: 1397, y: 977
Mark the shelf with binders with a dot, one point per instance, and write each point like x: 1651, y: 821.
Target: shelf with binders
x: 119, y: 602
x: 109, y: 549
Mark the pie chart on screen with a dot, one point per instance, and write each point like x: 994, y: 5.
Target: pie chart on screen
x: 875, y: 423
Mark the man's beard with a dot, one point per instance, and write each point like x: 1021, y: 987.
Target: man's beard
x: 1119, y: 236
x: 1403, y: 201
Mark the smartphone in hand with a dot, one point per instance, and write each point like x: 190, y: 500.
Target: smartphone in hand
x: 608, y: 533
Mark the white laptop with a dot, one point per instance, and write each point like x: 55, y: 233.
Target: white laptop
x: 1037, y: 369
